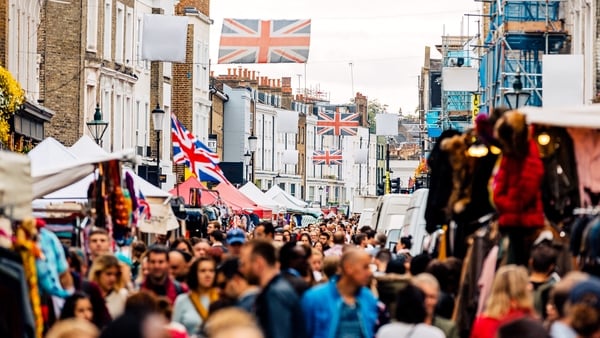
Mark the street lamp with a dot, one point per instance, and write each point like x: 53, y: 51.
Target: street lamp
x: 247, y: 158
x: 276, y: 179
x: 97, y: 126
x: 157, y: 118
x: 517, y: 97
x: 321, y: 196
x: 252, y: 146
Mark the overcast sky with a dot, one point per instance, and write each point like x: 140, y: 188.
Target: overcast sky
x: 383, y: 39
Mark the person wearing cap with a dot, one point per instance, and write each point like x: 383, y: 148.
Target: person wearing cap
x: 235, y: 239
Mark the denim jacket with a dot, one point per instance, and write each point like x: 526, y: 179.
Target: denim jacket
x: 322, y: 306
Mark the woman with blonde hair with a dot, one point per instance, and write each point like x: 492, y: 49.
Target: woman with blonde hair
x: 106, y: 273
x: 510, y: 298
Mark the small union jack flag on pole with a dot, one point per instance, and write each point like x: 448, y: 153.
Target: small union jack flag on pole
x: 188, y: 150
x: 264, y: 41
x: 328, y: 157
x: 330, y: 123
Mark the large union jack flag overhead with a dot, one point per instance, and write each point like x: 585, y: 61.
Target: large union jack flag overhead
x: 337, y: 124
x: 327, y: 157
x: 188, y: 150
x: 264, y: 41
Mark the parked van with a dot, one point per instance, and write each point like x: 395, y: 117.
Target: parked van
x: 366, y: 217
x: 413, y: 224
x: 390, y: 212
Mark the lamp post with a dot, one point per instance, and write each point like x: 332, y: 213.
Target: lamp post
x: 247, y: 158
x: 252, y: 146
x: 320, y: 196
x: 517, y: 97
x: 157, y: 118
x: 97, y: 126
x: 276, y: 179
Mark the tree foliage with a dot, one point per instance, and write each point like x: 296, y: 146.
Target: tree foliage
x: 11, y: 98
x: 374, y: 107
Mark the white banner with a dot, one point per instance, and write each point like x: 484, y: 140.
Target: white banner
x: 387, y: 124
x: 562, y: 80
x: 361, y: 156
x: 290, y: 156
x: 287, y: 121
x: 164, y: 38
x: 462, y: 79
x: 162, y: 219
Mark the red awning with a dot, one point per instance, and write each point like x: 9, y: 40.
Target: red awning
x: 226, y: 192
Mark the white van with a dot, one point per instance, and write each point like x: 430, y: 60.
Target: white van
x: 414, y: 221
x: 390, y: 212
x: 366, y: 217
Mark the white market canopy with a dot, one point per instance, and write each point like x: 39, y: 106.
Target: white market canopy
x: 257, y: 196
x: 583, y: 116
x: 291, y: 203
x: 53, y: 166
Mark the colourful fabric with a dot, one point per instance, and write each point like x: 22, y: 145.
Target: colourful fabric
x: 29, y: 252
x: 517, y: 190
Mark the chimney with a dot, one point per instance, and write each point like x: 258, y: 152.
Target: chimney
x: 253, y: 75
x: 245, y: 73
x: 278, y: 82
x: 228, y: 71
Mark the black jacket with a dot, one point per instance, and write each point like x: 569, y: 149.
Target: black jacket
x: 278, y: 310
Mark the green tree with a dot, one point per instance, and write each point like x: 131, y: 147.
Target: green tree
x: 374, y: 107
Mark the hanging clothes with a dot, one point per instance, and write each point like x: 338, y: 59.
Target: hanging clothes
x: 560, y: 190
x: 467, y: 300
x: 587, y: 153
x: 439, y: 189
x: 16, y: 315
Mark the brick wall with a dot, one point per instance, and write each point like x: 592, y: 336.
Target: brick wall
x: 61, y: 69
x: 3, y: 32
x: 183, y: 84
x: 217, y: 123
x: 203, y: 6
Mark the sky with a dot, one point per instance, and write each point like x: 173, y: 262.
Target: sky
x: 384, y: 40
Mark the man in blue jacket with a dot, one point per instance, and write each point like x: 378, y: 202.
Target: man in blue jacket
x: 344, y: 307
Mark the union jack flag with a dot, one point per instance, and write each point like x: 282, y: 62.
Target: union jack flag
x: 144, y: 207
x: 330, y: 123
x: 264, y: 41
x: 188, y: 150
x: 328, y: 157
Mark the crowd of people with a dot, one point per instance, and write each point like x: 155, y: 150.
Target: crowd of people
x: 329, y: 279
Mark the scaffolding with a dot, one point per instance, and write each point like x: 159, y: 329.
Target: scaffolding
x: 517, y: 35
x: 456, y: 107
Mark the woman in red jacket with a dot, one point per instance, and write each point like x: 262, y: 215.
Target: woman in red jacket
x: 511, y: 298
x: 517, y: 186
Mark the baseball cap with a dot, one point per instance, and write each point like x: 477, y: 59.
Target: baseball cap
x: 587, y: 292
x: 236, y: 236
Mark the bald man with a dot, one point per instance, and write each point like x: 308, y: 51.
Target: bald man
x: 344, y: 305
x: 178, y: 265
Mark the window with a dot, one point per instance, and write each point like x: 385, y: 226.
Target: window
x: 120, y: 33
x: 198, y: 64
x: 293, y: 189
x: 118, y: 123
x: 138, y: 43
x: 129, y: 37
x: 92, y: 25
x: 127, y: 124
x: 107, y: 29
